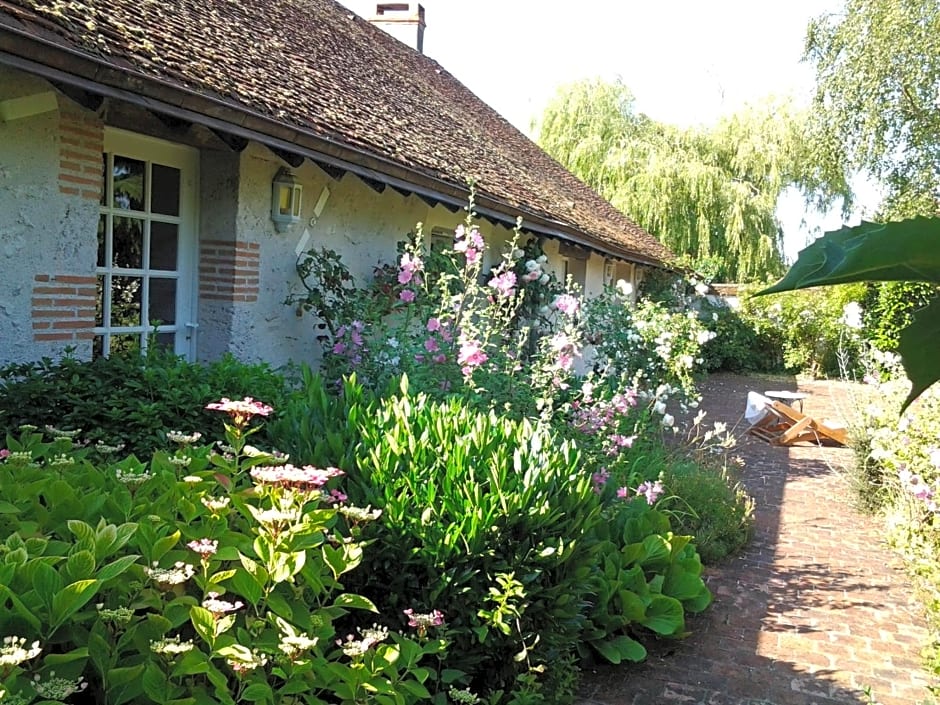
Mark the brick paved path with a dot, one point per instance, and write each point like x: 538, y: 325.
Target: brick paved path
x: 812, y: 613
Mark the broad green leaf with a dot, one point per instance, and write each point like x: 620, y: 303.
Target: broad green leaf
x: 258, y: 691
x: 682, y: 585
x: 621, y: 648
x: 80, y: 565
x: 155, y: 684
x: 664, y: 615
x: 46, y: 582
x: 71, y: 599
x: 907, y: 250
x: 204, y: 623
x: 116, y: 567
x: 355, y: 602
x: 7, y: 508
x: 918, y: 349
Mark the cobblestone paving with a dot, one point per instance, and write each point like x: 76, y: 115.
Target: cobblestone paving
x: 816, y: 609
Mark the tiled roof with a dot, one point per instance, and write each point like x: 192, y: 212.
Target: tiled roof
x: 314, y: 65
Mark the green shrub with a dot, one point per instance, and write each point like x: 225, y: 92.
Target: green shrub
x: 705, y: 502
x: 889, y: 308
x: 185, y: 580
x: 488, y: 520
x: 739, y: 345
x: 129, y: 399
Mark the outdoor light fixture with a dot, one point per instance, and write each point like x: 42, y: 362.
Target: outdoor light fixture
x: 285, y: 200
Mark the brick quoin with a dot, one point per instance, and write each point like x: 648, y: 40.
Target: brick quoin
x: 63, y: 307
x: 229, y: 271
x: 81, y: 142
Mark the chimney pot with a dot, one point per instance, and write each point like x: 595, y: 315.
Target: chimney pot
x: 402, y: 20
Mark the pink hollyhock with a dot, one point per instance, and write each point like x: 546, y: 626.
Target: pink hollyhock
x: 504, y: 283
x: 567, y: 304
x: 407, y: 296
x: 434, y: 325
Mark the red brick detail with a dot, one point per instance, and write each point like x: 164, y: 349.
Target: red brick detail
x: 229, y: 271
x: 63, y: 307
x: 80, y: 146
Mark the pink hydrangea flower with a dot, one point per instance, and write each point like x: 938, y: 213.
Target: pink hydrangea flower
x: 306, y: 477
x: 204, y: 547
x: 421, y: 622
x: 241, y: 411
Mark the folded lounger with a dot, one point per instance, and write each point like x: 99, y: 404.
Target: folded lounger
x: 782, y: 425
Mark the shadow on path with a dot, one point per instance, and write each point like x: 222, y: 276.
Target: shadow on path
x: 812, y: 612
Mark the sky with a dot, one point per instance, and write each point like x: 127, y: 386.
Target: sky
x: 687, y: 62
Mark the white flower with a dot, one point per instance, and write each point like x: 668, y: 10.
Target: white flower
x: 624, y: 287
x: 701, y: 289
x: 659, y: 408
x: 542, y: 259
x: 852, y: 315
x: 544, y: 279
x: 14, y: 651
x: 171, y: 646
x: 668, y: 420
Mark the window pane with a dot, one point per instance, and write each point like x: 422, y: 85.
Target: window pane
x: 165, y: 190
x: 125, y: 301
x: 129, y: 186
x: 162, y: 302
x: 128, y: 243
x: 97, y: 347
x: 163, y: 246
x: 165, y: 341
x: 103, y: 241
x: 125, y: 344
x: 99, y: 303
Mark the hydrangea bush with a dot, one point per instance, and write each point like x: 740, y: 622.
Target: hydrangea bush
x: 210, y: 574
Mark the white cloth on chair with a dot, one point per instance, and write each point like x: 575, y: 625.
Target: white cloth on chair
x: 756, y: 408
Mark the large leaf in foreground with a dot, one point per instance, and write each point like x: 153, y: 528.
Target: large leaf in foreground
x: 907, y: 250
x: 918, y: 348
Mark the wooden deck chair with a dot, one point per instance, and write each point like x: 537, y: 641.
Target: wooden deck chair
x: 782, y: 425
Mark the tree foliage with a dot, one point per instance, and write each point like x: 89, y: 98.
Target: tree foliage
x: 705, y: 193
x: 877, y: 86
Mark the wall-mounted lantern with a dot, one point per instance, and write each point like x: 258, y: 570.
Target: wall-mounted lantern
x: 285, y: 200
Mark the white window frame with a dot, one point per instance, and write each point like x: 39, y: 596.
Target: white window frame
x: 186, y: 159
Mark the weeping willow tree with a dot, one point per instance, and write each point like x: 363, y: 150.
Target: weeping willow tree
x: 708, y: 194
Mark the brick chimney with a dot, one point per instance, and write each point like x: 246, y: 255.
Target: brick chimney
x: 403, y: 20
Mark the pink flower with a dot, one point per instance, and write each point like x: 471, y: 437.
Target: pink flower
x: 475, y: 238
x: 623, y: 492
x: 339, y: 348
x: 241, y: 411
x: 421, y: 622
x: 431, y: 345
x: 440, y: 359
x: 650, y: 490
x: 337, y: 496
x: 567, y: 304
x: 504, y: 283
x: 407, y: 296
x: 471, y: 355
x: 473, y: 256
x: 204, y: 547
x: 531, y: 276
x: 599, y: 479
x: 4, y: 453
x: 434, y: 325
x: 623, y: 441
x: 305, y: 478
x: 410, y: 266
